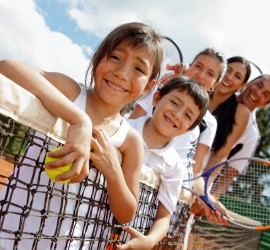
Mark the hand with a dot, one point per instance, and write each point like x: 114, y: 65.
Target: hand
x: 215, y: 216
x: 138, y: 241
x: 104, y: 154
x: 76, y: 150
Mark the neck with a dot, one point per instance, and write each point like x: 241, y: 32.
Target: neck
x: 101, y: 113
x: 152, y: 138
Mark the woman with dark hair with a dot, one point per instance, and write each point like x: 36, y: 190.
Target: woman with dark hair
x: 232, y: 117
x: 223, y: 102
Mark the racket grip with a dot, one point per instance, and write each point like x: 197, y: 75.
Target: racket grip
x: 207, y: 202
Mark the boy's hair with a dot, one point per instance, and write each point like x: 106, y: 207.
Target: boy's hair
x: 194, y: 89
x: 212, y: 52
x: 138, y: 35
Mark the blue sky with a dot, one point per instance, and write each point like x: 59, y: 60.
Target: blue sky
x: 60, y: 35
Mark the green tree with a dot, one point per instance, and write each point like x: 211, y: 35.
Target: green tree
x: 263, y: 120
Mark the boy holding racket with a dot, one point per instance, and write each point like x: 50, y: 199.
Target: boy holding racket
x: 178, y: 107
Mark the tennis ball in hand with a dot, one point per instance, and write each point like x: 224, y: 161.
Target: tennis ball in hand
x: 52, y: 173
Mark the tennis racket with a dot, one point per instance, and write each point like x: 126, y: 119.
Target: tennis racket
x: 255, y: 70
x: 246, y: 197
x: 172, y: 64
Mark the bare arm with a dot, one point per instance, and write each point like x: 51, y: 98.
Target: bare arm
x: 122, y: 179
x: 200, y: 156
x: 157, y: 231
x: 77, y: 147
x: 241, y: 121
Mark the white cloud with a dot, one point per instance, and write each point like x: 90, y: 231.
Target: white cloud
x: 234, y: 27
x: 26, y: 37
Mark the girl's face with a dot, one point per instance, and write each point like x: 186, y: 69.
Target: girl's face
x: 123, y: 76
x: 233, y: 79
x: 174, y: 113
x: 206, y: 70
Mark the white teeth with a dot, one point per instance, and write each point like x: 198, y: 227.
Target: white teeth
x: 169, y: 121
x: 116, y: 88
x: 252, y: 97
x: 226, y: 84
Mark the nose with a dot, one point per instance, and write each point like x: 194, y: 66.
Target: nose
x: 177, y: 114
x: 121, y: 72
x: 229, y: 76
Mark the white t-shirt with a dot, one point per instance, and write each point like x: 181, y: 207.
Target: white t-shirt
x: 186, y: 144
x: 167, y: 163
x: 247, y: 143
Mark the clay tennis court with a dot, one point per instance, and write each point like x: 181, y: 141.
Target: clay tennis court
x: 6, y: 169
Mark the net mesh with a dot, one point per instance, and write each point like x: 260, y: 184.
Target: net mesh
x: 36, y: 213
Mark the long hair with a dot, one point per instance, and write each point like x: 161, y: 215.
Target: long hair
x: 225, y: 112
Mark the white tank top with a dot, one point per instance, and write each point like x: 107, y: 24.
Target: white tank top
x: 120, y: 135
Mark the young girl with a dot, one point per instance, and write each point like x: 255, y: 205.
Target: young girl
x: 123, y: 67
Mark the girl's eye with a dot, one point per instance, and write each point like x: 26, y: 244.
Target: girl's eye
x: 238, y: 77
x: 115, y: 57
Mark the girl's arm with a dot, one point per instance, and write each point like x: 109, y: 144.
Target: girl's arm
x: 156, y: 233
x: 77, y: 146
x: 241, y: 121
x: 122, y: 179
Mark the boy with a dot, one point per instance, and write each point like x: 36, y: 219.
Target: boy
x: 178, y: 107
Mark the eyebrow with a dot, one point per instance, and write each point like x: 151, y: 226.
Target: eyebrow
x: 237, y: 72
x: 211, y: 70
x: 141, y: 60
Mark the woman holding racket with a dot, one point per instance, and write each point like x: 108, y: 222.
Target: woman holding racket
x: 256, y: 94
x: 223, y: 105
x: 123, y: 68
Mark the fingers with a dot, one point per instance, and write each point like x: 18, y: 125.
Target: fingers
x: 133, y: 232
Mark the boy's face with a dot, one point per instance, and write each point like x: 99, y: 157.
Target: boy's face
x: 174, y: 113
x: 206, y: 70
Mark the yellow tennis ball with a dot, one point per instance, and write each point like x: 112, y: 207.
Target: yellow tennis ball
x: 52, y: 173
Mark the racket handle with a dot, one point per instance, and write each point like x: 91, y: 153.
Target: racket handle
x: 207, y: 202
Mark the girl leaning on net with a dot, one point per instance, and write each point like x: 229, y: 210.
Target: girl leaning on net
x: 124, y: 66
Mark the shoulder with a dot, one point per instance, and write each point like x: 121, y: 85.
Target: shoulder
x: 133, y: 141
x: 69, y: 87
x: 242, y: 113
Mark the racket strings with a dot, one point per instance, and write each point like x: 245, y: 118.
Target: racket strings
x: 245, y: 195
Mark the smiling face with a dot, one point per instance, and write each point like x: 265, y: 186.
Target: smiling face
x: 233, y: 79
x: 206, y: 70
x: 122, y: 77
x: 174, y: 113
x: 257, y: 93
